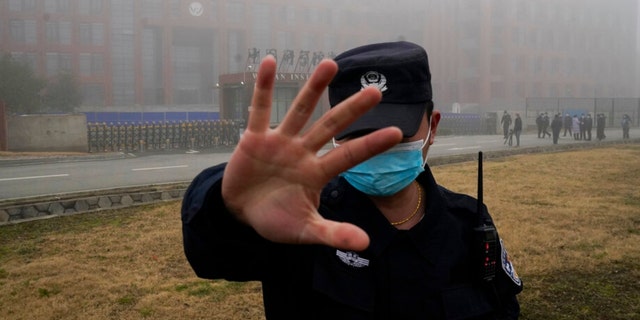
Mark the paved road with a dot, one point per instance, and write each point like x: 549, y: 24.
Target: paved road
x: 36, y: 178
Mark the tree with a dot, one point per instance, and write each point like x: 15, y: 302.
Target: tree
x: 62, y: 94
x: 20, y: 88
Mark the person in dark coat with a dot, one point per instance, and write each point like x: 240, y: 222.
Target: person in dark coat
x: 539, y: 122
x: 545, y: 125
x: 360, y: 232
x: 556, y: 126
x: 588, y: 127
x: 506, y: 123
x: 626, y: 125
x: 517, y: 128
x: 601, y: 120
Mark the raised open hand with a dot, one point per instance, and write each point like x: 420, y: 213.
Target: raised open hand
x: 274, y: 177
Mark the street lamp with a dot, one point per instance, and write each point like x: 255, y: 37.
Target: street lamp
x: 244, y: 74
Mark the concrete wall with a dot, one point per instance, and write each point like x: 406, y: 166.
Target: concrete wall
x: 39, y: 133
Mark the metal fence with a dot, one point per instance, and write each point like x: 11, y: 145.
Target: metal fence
x: 461, y: 124
x: 612, y: 108
x: 162, y: 135
x: 145, y: 117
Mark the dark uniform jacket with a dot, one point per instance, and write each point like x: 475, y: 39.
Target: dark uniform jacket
x: 423, y: 273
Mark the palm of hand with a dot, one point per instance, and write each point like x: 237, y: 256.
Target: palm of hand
x: 274, y: 177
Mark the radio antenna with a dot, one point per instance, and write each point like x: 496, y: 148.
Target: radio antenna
x: 480, y: 183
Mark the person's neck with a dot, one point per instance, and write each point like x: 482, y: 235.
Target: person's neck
x: 400, y: 206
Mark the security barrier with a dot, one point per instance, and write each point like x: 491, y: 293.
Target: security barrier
x: 460, y: 124
x: 161, y: 135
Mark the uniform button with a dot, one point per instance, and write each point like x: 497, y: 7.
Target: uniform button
x: 335, y: 194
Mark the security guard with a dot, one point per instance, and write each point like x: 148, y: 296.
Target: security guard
x: 338, y: 237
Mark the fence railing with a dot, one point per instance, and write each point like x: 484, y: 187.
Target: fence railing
x: 612, y: 108
x: 162, y: 135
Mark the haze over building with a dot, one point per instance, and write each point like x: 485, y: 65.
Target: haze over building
x: 170, y: 54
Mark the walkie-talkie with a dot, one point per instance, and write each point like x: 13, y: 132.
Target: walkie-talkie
x: 486, y: 237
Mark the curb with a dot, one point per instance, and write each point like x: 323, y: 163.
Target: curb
x: 35, y: 208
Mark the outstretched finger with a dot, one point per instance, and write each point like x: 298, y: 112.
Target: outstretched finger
x: 340, y: 117
x: 358, y: 150
x: 306, y: 100
x: 260, y: 114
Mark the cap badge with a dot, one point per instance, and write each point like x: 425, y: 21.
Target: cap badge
x: 374, y: 79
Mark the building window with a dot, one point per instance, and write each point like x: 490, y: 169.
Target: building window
x: 22, y: 5
x: 57, y: 62
x: 186, y: 76
x: 97, y: 34
x: 235, y: 12
x: 497, y: 65
x: 213, y: 7
x: 519, y: 90
x: 56, y: 6
x: 91, y: 64
x: 289, y: 14
x: 24, y: 31
x: 152, y: 9
x: 282, y: 99
x: 261, y: 17
x: 90, y: 7
x: 176, y: 8
x: 52, y: 62
x: 152, y: 66
x: 28, y: 58
x: 85, y: 33
x: 58, y: 32
x: 497, y: 90
x: 236, y: 51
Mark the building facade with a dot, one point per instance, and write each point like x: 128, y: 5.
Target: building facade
x: 485, y: 55
x: 494, y: 54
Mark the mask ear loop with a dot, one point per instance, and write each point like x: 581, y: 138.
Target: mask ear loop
x: 426, y: 141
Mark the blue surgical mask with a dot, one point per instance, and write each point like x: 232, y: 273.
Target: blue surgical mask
x: 388, y: 172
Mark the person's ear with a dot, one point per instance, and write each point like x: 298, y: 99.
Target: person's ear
x: 433, y: 126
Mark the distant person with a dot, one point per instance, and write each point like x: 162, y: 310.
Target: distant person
x: 588, y: 127
x: 601, y: 120
x: 581, y: 127
x: 567, y: 123
x: 556, y: 126
x: 545, y: 125
x: 539, y: 124
x: 506, y: 123
x: 509, y: 139
x: 626, y: 125
x: 576, y: 127
x: 517, y: 128
x: 363, y: 231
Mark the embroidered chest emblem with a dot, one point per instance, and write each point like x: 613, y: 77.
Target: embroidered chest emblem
x: 352, y: 259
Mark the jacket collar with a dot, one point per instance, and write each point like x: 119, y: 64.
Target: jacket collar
x: 347, y: 204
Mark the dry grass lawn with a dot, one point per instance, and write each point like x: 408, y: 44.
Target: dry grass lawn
x: 570, y: 220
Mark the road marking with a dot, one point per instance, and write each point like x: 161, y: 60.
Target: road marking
x: 463, y: 148
x: 443, y: 144
x: 35, y: 177
x: 160, y: 168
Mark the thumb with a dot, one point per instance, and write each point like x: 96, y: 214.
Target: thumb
x: 340, y: 235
